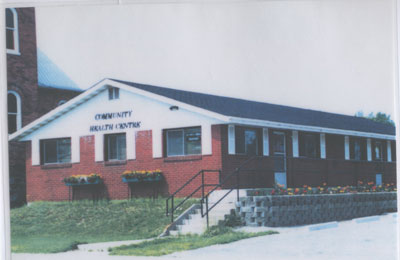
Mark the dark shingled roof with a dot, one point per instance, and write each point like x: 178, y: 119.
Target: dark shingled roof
x: 263, y: 111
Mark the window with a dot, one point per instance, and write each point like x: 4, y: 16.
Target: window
x: 309, y: 145
x: 115, y: 147
x: 14, y: 111
x: 113, y: 93
x: 55, y: 150
x: 246, y: 141
x: 357, y: 149
x: 378, y: 156
x: 185, y: 141
x: 12, y: 44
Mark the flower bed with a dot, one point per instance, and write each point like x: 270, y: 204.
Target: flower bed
x: 75, y: 180
x: 141, y: 176
x: 324, y: 189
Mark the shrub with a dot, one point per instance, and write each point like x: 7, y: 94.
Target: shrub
x: 324, y: 189
x: 140, y: 175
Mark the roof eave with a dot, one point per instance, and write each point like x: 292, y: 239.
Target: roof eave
x: 265, y: 123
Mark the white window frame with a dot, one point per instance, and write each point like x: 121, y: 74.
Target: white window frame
x: 58, y: 162
x: 107, y: 136
x: 18, y: 114
x: 14, y: 51
x: 380, y: 151
x: 183, y: 141
x: 245, y: 147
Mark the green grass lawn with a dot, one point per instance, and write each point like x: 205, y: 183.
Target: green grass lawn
x: 163, y: 246
x: 48, y: 227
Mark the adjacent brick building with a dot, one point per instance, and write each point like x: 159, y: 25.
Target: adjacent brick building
x: 28, y: 98
x: 117, y: 126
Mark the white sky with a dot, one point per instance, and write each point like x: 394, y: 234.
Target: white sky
x: 329, y: 55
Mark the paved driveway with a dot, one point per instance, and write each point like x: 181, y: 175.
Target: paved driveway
x: 367, y: 238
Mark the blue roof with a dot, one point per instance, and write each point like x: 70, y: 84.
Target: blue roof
x: 264, y: 111
x: 51, y: 76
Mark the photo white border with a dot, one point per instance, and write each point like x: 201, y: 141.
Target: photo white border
x: 5, y: 252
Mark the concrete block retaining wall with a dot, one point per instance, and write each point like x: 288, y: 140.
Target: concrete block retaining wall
x: 277, y: 211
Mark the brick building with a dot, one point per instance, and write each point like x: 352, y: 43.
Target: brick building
x: 117, y: 126
x: 30, y: 91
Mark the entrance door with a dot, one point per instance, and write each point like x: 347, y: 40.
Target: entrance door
x: 279, y: 153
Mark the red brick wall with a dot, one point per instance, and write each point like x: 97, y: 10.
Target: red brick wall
x: 22, y: 77
x: 22, y: 69
x: 45, y: 183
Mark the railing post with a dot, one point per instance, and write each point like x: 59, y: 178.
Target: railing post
x: 202, y: 193
x: 172, y: 209
x: 207, y: 211
x: 202, y: 183
x: 166, y: 212
x: 237, y: 185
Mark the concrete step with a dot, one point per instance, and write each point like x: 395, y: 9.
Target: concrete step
x: 194, y: 223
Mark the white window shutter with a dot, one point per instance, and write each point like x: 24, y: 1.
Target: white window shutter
x: 295, y: 143
x: 265, y: 142
x: 323, y: 146
x: 346, y: 148
x: 157, y: 142
x: 99, y: 147
x: 35, y: 151
x: 389, y: 151
x: 130, y: 145
x: 75, y: 149
x: 231, y: 139
x: 206, y: 139
x: 369, y: 151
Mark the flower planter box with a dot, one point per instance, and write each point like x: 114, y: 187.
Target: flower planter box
x: 83, y: 184
x: 291, y: 210
x: 150, y: 179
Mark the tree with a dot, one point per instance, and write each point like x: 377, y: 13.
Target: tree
x: 379, y: 117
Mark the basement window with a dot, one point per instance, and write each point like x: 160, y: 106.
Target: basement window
x: 55, y: 151
x: 182, y: 142
x: 115, y: 147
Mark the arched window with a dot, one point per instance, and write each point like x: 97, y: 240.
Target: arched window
x: 14, y: 111
x: 12, y: 43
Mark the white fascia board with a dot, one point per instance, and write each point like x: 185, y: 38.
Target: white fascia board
x: 24, y: 132
x: 170, y: 101
x: 271, y: 124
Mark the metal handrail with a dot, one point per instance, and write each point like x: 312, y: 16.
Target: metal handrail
x: 237, y: 186
x: 202, y: 186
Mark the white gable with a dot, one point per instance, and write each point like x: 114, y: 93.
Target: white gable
x: 130, y: 112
